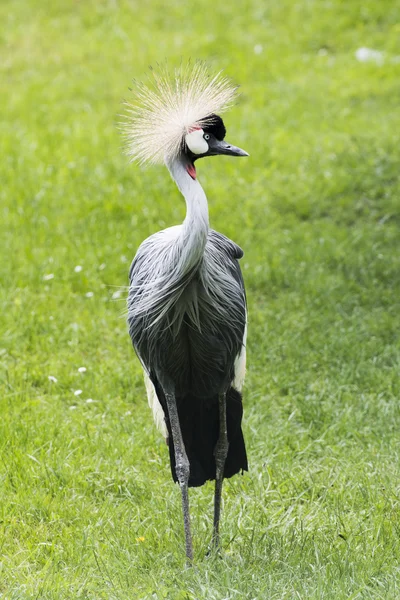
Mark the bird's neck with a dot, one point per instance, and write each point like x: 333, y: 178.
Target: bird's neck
x: 194, y: 232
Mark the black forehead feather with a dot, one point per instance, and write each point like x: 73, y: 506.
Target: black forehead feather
x: 215, y: 125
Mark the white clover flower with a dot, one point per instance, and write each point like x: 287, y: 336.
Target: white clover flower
x: 52, y: 378
x: 370, y: 55
x: 77, y: 392
x: 78, y: 269
x: 82, y: 369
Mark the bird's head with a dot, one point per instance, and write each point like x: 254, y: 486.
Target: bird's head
x: 175, y: 117
x: 207, y: 139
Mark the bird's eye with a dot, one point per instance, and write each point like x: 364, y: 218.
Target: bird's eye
x: 206, y: 136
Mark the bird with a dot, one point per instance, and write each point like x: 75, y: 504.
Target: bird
x: 186, y: 306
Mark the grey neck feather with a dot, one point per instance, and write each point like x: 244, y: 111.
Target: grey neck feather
x: 194, y: 232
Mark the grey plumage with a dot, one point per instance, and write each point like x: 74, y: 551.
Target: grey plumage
x: 189, y: 325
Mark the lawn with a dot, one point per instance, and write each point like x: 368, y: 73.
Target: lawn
x: 88, y: 509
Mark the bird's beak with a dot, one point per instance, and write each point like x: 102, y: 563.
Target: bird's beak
x: 221, y: 147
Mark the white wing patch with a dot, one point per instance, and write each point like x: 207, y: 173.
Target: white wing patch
x: 240, y: 364
x: 155, y: 406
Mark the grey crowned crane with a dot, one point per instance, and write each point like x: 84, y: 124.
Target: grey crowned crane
x: 187, y: 304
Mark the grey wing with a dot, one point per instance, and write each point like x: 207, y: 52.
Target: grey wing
x: 135, y: 294
x: 229, y: 253
x: 136, y: 291
x: 234, y: 253
x: 237, y: 253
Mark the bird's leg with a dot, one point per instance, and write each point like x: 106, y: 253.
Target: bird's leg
x: 221, y: 452
x: 182, y: 468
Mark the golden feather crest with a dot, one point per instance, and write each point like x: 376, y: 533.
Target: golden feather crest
x: 169, y: 106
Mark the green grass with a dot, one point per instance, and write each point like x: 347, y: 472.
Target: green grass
x: 88, y: 508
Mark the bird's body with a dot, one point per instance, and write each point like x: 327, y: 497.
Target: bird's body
x: 187, y: 321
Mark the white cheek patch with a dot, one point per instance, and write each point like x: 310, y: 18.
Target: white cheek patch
x: 196, y: 142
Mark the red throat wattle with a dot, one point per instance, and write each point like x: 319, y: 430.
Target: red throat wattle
x: 191, y: 170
